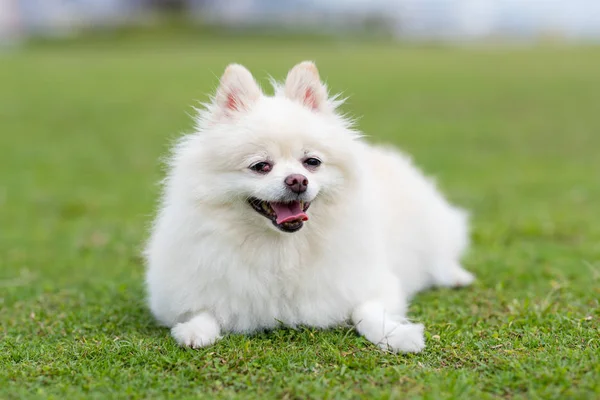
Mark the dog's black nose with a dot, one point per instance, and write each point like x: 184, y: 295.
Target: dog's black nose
x: 297, y: 183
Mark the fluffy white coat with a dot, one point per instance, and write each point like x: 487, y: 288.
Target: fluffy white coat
x: 378, y: 230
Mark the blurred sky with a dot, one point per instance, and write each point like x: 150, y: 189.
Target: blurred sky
x: 439, y: 19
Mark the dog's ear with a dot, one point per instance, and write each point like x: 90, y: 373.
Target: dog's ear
x: 237, y: 91
x: 304, y: 85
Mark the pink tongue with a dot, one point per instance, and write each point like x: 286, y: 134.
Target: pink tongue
x: 287, y: 212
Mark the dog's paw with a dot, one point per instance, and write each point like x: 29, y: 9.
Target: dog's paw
x: 404, y: 338
x: 200, y: 331
x: 462, y: 277
x: 455, y: 276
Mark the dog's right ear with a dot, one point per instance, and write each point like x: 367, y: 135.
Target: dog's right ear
x: 304, y: 86
x: 237, y: 91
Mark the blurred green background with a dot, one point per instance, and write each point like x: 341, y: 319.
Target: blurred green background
x: 510, y: 133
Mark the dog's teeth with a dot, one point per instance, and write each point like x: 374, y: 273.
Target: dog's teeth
x: 267, y: 208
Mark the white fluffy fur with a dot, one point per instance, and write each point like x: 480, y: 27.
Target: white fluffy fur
x: 379, y: 231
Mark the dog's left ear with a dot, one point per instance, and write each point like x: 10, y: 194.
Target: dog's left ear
x: 238, y: 91
x: 304, y: 85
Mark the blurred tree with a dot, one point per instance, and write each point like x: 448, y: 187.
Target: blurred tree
x: 171, y: 6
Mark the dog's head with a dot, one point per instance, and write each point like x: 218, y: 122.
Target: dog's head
x: 267, y: 159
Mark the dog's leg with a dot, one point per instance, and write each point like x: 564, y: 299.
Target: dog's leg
x: 200, y: 331
x: 386, y: 331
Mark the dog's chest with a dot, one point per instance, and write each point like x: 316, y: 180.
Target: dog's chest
x: 276, y: 291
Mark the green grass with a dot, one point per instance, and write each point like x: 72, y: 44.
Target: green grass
x: 511, y: 134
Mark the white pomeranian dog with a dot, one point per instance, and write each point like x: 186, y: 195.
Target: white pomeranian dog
x: 275, y: 212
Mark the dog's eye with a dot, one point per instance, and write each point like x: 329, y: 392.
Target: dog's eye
x: 262, y: 167
x: 312, y: 163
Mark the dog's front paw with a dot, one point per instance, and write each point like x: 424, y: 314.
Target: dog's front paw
x: 404, y: 338
x: 200, y: 331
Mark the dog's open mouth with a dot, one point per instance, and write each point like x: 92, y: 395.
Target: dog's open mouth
x: 287, y: 216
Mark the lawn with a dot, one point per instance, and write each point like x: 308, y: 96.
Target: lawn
x: 512, y: 134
